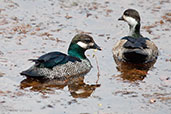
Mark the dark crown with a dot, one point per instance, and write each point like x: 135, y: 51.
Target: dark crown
x: 82, y: 37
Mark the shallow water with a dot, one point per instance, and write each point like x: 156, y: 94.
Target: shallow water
x: 31, y: 28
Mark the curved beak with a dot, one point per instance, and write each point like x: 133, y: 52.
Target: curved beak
x: 121, y: 18
x: 95, y: 46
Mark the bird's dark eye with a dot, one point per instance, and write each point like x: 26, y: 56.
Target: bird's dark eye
x: 126, y: 13
x: 87, y: 41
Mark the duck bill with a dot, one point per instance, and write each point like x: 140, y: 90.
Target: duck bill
x: 95, y: 46
x: 121, y: 19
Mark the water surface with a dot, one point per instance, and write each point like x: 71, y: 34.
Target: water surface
x: 30, y: 28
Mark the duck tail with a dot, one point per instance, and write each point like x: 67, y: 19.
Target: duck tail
x: 24, y: 73
x: 33, y: 60
x: 31, y: 72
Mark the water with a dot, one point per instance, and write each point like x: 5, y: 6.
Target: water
x: 31, y: 28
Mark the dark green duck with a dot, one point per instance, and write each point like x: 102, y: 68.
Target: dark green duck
x: 134, y: 48
x: 57, y: 65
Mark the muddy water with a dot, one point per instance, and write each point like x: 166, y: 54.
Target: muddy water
x: 30, y: 28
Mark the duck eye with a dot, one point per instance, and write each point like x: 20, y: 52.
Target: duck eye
x: 87, y: 41
x: 126, y: 13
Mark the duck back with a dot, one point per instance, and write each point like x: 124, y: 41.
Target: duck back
x: 133, y: 43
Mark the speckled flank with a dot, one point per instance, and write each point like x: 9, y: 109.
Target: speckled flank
x: 118, y: 49
x: 62, y: 71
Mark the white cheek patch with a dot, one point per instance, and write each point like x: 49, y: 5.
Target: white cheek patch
x: 91, y: 44
x: 130, y: 20
x: 82, y: 44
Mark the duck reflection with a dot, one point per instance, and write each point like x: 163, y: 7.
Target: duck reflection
x: 79, y: 89
x: 133, y: 72
x: 76, y: 86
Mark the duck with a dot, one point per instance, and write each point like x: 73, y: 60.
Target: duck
x: 134, y: 48
x: 58, y: 65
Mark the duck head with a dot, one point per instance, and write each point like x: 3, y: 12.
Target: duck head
x: 85, y: 41
x: 80, y: 43
x: 130, y: 16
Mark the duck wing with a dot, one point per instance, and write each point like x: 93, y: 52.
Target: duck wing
x: 135, y: 43
x: 52, y: 59
x: 154, y: 50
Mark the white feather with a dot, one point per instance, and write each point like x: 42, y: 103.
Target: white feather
x: 82, y: 44
x: 131, y: 21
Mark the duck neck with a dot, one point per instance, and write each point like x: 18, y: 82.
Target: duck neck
x: 134, y: 31
x: 76, y: 51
